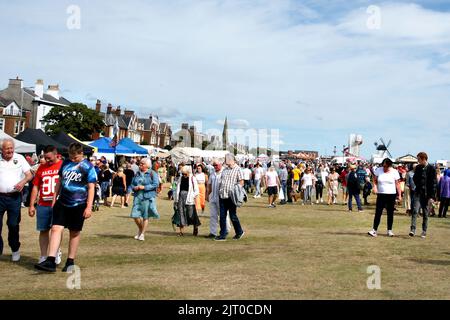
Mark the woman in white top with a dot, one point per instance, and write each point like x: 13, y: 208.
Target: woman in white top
x: 308, y: 181
x: 386, y: 184
x: 184, y: 202
x: 202, y: 180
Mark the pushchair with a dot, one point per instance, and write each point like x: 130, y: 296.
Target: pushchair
x: 97, y: 197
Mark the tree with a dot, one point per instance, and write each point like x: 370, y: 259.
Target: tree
x: 76, y: 119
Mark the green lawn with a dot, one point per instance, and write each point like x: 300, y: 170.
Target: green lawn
x: 291, y: 252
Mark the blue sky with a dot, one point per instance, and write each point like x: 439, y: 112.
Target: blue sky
x: 311, y: 69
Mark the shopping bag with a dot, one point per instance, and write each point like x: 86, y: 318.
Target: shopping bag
x: 281, y: 194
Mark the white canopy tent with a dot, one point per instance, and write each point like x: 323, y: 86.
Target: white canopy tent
x: 191, y: 154
x: 20, y: 146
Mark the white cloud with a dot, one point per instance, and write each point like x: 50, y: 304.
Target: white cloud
x: 251, y: 60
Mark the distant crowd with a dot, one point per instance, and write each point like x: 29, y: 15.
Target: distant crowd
x: 62, y: 192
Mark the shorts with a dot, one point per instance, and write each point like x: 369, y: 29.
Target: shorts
x: 129, y: 189
x: 272, y: 191
x: 344, y: 189
x: 144, y: 209
x: 69, y: 217
x: 118, y: 191
x: 44, y: 217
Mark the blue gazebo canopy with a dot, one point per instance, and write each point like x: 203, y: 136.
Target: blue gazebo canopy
x: 126, y: 146
x: 103, y: 145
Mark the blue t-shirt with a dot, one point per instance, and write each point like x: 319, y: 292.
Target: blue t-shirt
x: 75, y: 177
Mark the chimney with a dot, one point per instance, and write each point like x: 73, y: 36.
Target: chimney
x: 17, y: 83
x: 53, y: 90
x: 129, y: 113
x: 117, y: 112
x: 109, y: 108
x: 39, y: 88
x: 98, y: 106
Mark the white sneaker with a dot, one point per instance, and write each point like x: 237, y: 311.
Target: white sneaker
x: 58, y: 257
x: 42, y: 259
x: 317, y: 201
x: 423, y: 235
x: 15, y: 256
x: 390, y: 233
x: 141, y: 237
x: 136, y: 237
x: 372, y: 233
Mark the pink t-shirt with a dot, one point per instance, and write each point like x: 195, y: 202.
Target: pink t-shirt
x: 272, y: 178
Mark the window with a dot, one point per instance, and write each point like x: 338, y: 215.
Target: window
x: 2, y: 124
x: 22, y: 126
x: 16, y: 127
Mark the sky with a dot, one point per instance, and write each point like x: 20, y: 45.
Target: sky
x: 314, y: 71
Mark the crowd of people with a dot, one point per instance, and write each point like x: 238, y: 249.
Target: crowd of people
x: 63, y: 192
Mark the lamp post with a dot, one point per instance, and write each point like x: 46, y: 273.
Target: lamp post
x: 343, y: 154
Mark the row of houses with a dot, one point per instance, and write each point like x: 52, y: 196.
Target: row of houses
x: 25, y: 107
x: 22, y: 107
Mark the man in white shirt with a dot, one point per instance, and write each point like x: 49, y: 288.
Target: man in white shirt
x: 247, y: 178
x: 212, y: 196
x: 273, y: 185
x: 259, y: 173
x: 15, y: 173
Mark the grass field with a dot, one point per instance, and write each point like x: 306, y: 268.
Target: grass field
x: 291, y: 252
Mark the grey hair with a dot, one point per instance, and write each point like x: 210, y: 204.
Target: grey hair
x: 7, y: 140
x: 230, y: 156
x: 147, y: 161
x: 186, y: 169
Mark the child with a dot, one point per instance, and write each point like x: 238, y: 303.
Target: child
x: 367, y: 190
x: 72, y: 204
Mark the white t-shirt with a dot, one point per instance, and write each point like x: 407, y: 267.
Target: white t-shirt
x: 200, y: 178
x: 307, y: 179
x: 324, y: 175
x: 247, y: 173
x: 386, y: 180
x: 12, y: 172
x: 259, y: 173
x: 272, y: 178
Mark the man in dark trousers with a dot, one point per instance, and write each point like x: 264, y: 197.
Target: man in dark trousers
x: 426, y: 183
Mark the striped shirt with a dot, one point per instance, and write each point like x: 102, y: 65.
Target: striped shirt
x: 230, y: 178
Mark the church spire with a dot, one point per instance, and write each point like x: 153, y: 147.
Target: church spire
x: 225, y: 134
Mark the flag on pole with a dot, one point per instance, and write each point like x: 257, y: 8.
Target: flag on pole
x: 115, y: 133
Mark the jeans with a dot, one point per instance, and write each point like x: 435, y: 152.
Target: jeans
x: 258, y: 187
x: 307, y: 195
x: 12, y: 207
x: 319, y: 191
x: 443, y: 207
x: 105, y: 189
x: 247, y: 185
x: 228, y: 207
x: 358, y: 201
x: 284, y: 188
x: 384, y: 201
x: 420, y: 202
